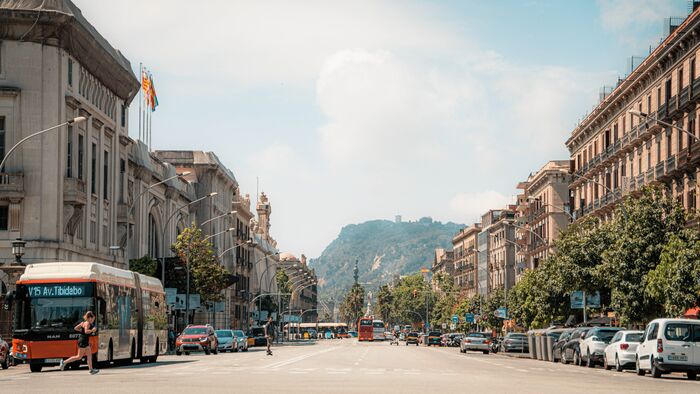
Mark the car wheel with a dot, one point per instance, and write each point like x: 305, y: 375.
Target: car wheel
x: 187, y: 353
x: 589, y: 361
x: 215, y: 351
x: 618, y: 366
x: 637, y: 368
x: 692, y: 375
x: 235, y: 350
x: 485, y: 352
x: 178, y: 353
x: 655, y: 371
x: 5, y: 364
x: 605, y: 363
x: 245, y: 349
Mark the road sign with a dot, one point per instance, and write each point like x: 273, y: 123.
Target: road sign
x: 469, y: 318
x: 592, y: 300
x: 455, y: 319
x: 170, y: 294
x: 501, y: 313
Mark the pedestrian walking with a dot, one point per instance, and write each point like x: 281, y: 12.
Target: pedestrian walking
x: 269, y: 334
x: 86, y: 329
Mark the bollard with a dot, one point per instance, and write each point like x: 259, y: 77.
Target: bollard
x: 545, y: 352
x: 538, y: 339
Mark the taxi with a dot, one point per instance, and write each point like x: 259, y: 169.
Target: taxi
x: 412, y: 337
x: 434, y: 339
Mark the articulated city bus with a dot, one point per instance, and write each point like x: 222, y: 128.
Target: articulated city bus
x: 51, y: 299
x: 365, y: 330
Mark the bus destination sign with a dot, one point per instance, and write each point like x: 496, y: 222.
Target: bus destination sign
x: 60, y: 290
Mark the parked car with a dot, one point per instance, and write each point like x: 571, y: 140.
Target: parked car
x: 197, y: 339
x: 571, y: 351
x: 475, y: 341
x: 388, y: 336
x: 670, y: 345
x: 241, y: 341
x: 352, y: 334
x: 4, y: 354
x: 515, y: 342
x: 558, y: 348
x: 622, y: 351
x: 592, y: 347
x: 452, y: 340
x: 434, y: 338
x: 412, y: 337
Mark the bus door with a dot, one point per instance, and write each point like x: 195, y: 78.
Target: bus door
x: 139, y: 317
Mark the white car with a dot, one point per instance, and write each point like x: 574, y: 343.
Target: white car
x: 621, y: 353
x: 670, y: 345
x: 592, y: 347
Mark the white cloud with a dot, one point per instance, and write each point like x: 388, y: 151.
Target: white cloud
x: 472, y: 205
x: 621, y: 15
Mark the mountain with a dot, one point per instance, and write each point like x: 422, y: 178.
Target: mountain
x: 383, y: 249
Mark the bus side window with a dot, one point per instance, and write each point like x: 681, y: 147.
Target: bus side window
x: 102, y: 311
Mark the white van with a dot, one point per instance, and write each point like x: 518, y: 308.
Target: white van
x: 670, y: 345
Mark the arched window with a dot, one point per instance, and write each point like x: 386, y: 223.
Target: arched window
x: 152, y: 237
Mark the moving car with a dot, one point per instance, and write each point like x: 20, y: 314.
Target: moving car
x: 453, y: 340
x: 515, y: 342
x: 571, y: 351
x: 475, y: 341
x: 197, y: 339
x: 227, y: 342
x: 434, y: 339
x: 621, y: 353
x: 256, y: 337
x: 558, y: 348
x: 592, y: 347
x: 670, y: 345
x: 4, y: 354
x: 241, y: 341
x: 412, y: 337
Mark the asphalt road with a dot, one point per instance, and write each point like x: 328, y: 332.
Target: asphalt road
x: 343, y: 366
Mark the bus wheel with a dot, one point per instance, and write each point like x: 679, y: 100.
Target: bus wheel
x: 35, y: 367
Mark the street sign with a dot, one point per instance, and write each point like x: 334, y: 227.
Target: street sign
x: 170, y: 294
x: 455, y: 319
x: 501, y: 313
x: 592, y: 300
x: 469, y: 318
x: 180, y: 302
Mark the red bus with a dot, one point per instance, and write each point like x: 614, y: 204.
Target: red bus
x: 365, y: 329
x: 51, y: 299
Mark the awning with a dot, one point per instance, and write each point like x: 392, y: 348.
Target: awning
x: 692, y: 313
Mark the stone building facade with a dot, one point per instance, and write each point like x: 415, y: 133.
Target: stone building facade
x: 615, y: 153
x: 305, y: 295
x: 464, y: 252
x: 62, y: 192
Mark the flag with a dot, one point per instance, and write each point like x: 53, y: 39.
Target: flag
x: 146, y: 86
x: 152, y: 93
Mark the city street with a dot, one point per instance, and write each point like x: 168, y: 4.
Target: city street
x: 343, y: 366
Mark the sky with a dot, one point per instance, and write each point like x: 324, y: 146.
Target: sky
x: 347, y: 111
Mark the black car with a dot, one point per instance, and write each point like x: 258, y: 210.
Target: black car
x: 453, y: 340
x: 434, y: 338
x: 515, y: 342
x: 558, y: 347
x: 571, y: 351
x: 258, y: 336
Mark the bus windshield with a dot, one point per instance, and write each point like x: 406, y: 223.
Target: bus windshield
x: 45, y: 310
x: 378, y: 324
x: 365, y: 322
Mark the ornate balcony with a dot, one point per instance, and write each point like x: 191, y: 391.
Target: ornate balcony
x: 74, y: 191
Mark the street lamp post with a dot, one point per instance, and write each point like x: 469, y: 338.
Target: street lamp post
x: 77, y: 120
x: 219, y: 233
x: 607, y: 189
x: 645, y: 116
x: 559, y: 209
x: 216, y: 217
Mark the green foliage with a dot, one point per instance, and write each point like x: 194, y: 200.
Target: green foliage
x: 352, y: 307
x: 403, y: 248
x: 146, y: 265
x: 445, y: 300
x: 410, y: 296
x: 639, y: 234
x: 208, y: 277
x: 674, y: 281
x: 385, y: 300
x: 284, y: 287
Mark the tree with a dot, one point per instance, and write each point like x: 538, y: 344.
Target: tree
x: 410, y: 296
x: 385, y: 299
x: 445, y: 300
x: 208, y: 277
x: 284, y: 287
x: 146, y: 265
x: 639, y: 234
x: 674, y: 281
x: 352, y: 307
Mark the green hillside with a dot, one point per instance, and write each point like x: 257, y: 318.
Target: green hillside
x: 383, y: 249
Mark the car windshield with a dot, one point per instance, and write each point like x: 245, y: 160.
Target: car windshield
x: 412, y: 334
x: 195, y: 331
x: 238, y: 333
x: 477, y: 335
x: 257, y: 332
x: 516, y: 336
x: 634, y: 337
x: 605, y: 335
x: 378, y: 324
x: 434, y: 334
x: 224, y: 333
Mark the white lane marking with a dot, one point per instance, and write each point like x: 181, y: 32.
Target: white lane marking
x: 298, y: 358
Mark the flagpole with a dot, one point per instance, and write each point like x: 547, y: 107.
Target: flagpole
x: 140, y: 96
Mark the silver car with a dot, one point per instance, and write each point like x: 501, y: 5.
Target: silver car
x: 475, y: 341
x: 241, y: 341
